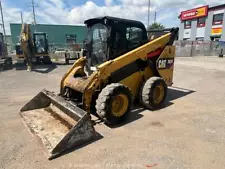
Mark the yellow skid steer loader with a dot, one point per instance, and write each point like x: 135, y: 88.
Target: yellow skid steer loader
x: 119, y: 65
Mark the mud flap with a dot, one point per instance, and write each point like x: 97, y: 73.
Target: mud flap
x: 60, y: 125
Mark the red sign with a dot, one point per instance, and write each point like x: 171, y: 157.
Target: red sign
x: 194, y: 13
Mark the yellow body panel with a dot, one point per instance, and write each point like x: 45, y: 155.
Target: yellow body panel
x: 147, y: 73
x: 133, y: 82
x: 139, y: 53
x: 167, y: 55
x: 19, y: 56
x: 78, y: 66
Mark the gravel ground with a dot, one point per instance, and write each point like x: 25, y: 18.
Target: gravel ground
x: 187, y: 133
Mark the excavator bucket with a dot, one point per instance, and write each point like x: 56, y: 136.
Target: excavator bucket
x: 59, y: 124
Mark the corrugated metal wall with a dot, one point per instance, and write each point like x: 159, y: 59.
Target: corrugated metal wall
x: 56, y: 33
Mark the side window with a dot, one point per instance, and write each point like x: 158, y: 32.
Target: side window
x: 201, y: 22
x: 134, y: 36
x: 71, y: 38
x: 40, y: 43
x: 218, y: 19
x: 187, y: 24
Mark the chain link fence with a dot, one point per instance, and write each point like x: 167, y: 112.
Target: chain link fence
x: 60, y: 51
x: 199, y: 48
x: 183, y: 48
x: 57, y: 52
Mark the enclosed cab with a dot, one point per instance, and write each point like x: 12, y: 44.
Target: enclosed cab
x: 110, y: 37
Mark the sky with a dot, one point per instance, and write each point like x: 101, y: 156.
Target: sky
x: 75, y: 12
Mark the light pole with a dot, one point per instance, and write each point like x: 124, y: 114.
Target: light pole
x: 32, y: 2
x: 3, y: 24
x: 149, y: 3
x: 21, y: 16
x: 155, y: 17
x: 34, y: 15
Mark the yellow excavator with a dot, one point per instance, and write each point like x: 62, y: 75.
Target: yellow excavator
x: 119, y: 65
x: 32, y: 48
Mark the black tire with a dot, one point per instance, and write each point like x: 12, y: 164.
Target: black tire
x: 105, y: 101
x: 47, y: 60
x: 6, y: 63
x: 33, y: 60
x: 38, y: 60
x: 9, y: 63
x: 147, y: 94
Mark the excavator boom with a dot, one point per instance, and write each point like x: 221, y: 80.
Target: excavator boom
x: 32, y: 47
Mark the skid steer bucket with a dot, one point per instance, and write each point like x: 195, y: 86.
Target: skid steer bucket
x: 59, y: 124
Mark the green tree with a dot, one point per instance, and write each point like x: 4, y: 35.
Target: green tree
x: 156, y: 25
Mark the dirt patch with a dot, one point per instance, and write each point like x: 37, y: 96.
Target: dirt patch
x: 157, y: 123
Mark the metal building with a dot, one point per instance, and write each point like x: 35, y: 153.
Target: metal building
x: 203, y: 23
x: 58, y: 35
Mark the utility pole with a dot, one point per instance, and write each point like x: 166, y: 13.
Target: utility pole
x: 155, y: 17
x: 3, y: 24
x: 149, y: 3
x: 21, y: 15
x: 33, y: 7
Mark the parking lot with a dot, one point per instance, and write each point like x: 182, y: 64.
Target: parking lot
x: 188, y: 133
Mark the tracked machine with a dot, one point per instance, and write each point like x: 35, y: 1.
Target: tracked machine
x: 5, y: 60
x: 119, y: 65
x: 32, y: 47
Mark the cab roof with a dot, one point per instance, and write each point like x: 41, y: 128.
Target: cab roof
x: 111, y: 20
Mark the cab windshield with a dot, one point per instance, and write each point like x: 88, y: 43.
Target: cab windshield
x: 40, y: 43
x: 97, y: 42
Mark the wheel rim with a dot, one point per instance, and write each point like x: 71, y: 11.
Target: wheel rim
x: 119, y: 105
x: 158, y: 93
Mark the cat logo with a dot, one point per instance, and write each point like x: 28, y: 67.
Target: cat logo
x: 165, y: 63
